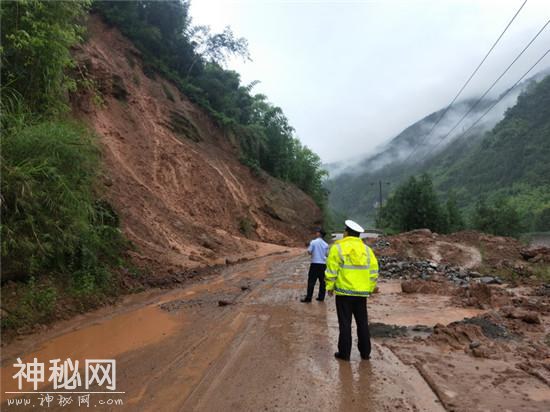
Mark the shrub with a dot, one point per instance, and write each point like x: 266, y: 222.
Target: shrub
x: 40, y: 299
x: 245, y: 226
x: 542, y: 220
x: 36, y: 41
x: 50, y: 221
x: 168, y: 93
x: 499, y: 218
x: 252, y: 164
x: 36, y: 304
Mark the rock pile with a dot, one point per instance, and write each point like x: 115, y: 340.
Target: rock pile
x: 536, y: 255
x: 404, y: 269
x: 381, y: 243
x: 543, y: 290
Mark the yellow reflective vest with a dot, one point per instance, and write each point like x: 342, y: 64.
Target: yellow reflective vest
x: 352, y: 268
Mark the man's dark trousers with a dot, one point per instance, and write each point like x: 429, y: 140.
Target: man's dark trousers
x: 346, y: 306
x: 316, y: 271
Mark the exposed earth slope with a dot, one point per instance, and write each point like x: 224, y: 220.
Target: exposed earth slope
x: 173, y: 176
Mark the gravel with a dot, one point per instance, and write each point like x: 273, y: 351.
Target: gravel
x: 404, y: 269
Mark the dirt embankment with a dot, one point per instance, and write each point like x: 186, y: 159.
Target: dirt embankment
x: 495, y: 358
x: 469, y: 250
x: 172, y: 175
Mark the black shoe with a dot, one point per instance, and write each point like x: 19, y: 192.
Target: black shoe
x: 320, y: 300
x: 305, y: 300
x: 365, y: 357
x: 342, y: 357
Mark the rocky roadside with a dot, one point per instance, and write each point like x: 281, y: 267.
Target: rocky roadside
x: 499, y: 359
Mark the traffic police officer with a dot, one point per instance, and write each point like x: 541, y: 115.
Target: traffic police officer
x: 351, y: 274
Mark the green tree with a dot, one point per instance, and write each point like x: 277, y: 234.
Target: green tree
x: 455, y: 220
x: 160, y: 29
x: 542, y: 221
x: 36, y: 41
x: 499, y: 218
x: 413, y: 205
x: 216, y: 47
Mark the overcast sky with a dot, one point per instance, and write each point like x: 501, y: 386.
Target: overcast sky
x: 350, y: 75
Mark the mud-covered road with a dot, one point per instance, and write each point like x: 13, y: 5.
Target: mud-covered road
x: 240, y: 340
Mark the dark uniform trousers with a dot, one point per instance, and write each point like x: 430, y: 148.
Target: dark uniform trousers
x: 316, y: 271
x: 346, y: 306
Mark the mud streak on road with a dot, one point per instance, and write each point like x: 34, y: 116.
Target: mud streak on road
x: 180, y: 350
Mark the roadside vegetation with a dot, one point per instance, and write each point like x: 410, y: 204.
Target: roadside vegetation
x: 415, y: 205
x: 60, y: 245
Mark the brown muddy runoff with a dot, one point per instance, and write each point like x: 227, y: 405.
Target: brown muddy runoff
x: 180, y: 350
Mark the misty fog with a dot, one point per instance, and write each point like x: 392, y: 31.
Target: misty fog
x: 419, y: 141
x: 350, y: 76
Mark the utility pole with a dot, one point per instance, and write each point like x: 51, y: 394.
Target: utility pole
x: 380, y: 183
x: 380, y: 198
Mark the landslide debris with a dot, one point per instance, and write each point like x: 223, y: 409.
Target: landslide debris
x: 516, y: 318
x: 462, y: 257
x: 173, y: 176
x: 536, y: 254
x: 501, y: 354
x: 459, y: 249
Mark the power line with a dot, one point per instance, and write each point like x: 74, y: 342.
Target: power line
x: 495, y: 103
x: 467, y: 82
x: 492, y: 85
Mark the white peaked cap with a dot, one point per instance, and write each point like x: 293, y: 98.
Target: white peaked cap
x: 354, y: 226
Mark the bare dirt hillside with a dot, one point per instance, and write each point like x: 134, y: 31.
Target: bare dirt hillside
x: 173, y: 177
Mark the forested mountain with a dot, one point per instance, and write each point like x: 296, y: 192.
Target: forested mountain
x: 508, y: 160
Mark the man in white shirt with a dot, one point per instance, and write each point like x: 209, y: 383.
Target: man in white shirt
x: 318, y: 249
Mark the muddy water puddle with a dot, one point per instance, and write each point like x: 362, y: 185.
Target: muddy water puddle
x: 391, y: 306
x: 104, y: 340
x: 539, y: 394
x: 118, y: 330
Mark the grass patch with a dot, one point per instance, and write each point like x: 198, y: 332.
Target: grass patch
x: 60, y: 241
x: 246, y: 226
x: 252, y: 164
x: 36, y: 304
x: 183, y: 127
x: 541, y: 271
x: 168, y: 93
